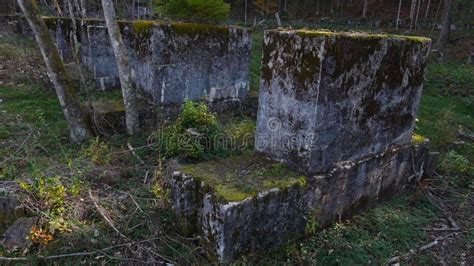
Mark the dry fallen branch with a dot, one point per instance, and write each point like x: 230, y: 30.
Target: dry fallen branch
x: 135, y: 243
x: 132, y: 150
x: 69, y: 255
x: 79, y: 254
x: 104, y: 215
x: 412, y: 252
x: 441, y: 229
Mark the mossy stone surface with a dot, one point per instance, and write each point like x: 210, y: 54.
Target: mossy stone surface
x: 337, y: 96
x: 172, y: 61
x: 241, y: 177
x: 355, y: 35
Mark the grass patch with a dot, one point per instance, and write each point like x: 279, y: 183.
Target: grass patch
x: 443, y: 111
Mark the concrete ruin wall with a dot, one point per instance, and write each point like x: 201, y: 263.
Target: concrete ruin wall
x: 172, y: 62
x: 339, y: 108
x: 276, y: 216
x: 329, y: 97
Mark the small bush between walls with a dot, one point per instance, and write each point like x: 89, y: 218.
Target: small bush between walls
x: 196, y: 10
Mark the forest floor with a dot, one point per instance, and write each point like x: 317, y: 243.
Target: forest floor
x: 107, y: 200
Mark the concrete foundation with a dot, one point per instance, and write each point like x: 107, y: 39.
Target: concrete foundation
x: 327, y: 97
x: 273, y: 216
x: 171, y: 62
x: 339, y: 108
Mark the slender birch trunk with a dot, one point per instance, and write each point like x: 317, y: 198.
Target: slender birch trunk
x: 412, y: 13
x: 427, y: 10
x: 446, y: 24
x: 245, y: 12
x: 398, y: 14
x: 364, y: 9
x: 78, y: 123
x: 126, y: 80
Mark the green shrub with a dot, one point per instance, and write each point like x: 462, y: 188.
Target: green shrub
x: 174, y: 141
x: 193, y: 135
x: 49, y: 191
x: 8, y: 172
x: 98, y: 152
x: 198, y: 135
x: 458, y: 170
x: 200, y: 10
x: 242, y: 134
x: 456, y: 164
x: 198, y: 117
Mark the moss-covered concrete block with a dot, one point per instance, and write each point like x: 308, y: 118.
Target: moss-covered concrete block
x: 171, y: 62
x: 239, y: 205
x: 327, y: 97
x: 250, y: 203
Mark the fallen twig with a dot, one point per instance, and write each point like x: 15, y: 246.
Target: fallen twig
x: 412, y: 252
x: 151, y: 145
x: 102, y: 213
x: 79, y: 254
x: 111, y: 224
x: 69, y: 255
x: 441, y: 229
x: 132, y: 150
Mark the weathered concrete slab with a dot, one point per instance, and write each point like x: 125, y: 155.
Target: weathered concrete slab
x: 171, y: 62
x: 328, y: 97
x: 239, y: 205
x: 218, y: 201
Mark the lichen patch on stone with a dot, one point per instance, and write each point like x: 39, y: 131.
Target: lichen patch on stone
x: 241, y: 177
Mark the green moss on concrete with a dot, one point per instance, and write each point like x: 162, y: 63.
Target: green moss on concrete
x: 143, y: 27
x: 417, y: 139
x: 108, y: 106
x: 241, y: 177
x: 359, y: 35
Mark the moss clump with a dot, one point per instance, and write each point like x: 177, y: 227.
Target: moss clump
x: 108, y: 106
x: 360, y: 35
x: 241, y: 177
x: 417, y: 139
x: 143, y: 27
x: 94, y: 21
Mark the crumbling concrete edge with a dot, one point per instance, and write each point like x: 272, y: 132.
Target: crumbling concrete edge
x: 276, y: 216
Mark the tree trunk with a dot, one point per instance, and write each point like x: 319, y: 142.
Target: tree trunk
x: 245, y: 12
x: 418, y: 13
x: 78, y: 123
x: 446, y: 24
x: 398, y: 14
x: 427, y: 11
x: 412, y: 13
x: 126, y: 80
x: 318, y: 2
x: 278, y: 20
x: 83, y: 9
x: 364, y: 9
